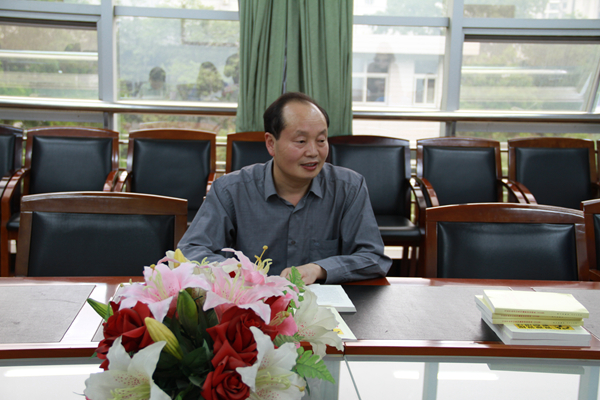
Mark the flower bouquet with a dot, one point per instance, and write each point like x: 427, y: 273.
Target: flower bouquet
x: 211, y: 331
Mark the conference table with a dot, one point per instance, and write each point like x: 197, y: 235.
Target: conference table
x: 418, y: 338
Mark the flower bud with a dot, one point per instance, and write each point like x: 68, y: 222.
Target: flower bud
x: 104, y: 310
x: 158, y: 331
x: 187, y: 312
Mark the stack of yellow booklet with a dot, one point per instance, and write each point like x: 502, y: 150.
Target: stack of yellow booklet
x: 534, y: 318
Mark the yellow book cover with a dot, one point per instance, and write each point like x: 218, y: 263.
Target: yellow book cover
x: 496, y: 318
x: 535, y: 303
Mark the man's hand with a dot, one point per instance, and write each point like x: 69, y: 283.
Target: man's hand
x: 310, y: 273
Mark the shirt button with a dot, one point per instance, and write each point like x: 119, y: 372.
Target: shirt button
x: 293, y: 242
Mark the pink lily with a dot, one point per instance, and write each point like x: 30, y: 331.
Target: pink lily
x: 161, y: 287
x: 243, y: 292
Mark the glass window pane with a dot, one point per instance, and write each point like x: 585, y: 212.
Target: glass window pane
x: 219, y: 125
x: 178, y: 60
x: 392, y: 60
x: 540, y: 9
x: 528, y: 76
x: 401, y: 8
x: 43, y: 61
x: 419, y: 89
x: 410, y: 130
x: 430, y: 90
x: 220, y: 5
x: 27, y: 124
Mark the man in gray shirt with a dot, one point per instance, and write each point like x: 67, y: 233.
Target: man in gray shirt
x: 311, y: 215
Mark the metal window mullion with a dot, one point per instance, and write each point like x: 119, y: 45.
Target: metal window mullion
x: 522, y: 23
x: 107, y: 58
x: 453, y: 57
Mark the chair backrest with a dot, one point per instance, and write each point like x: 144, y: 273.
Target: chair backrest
x: 385, y: 164
x: 245, y: 148
x: 505, y: 241
x: 96, y: 233
x: 461, y: 170
x: 172, y: 162
x: 557, y: 171
x: 11, y: 149
x: 69, y: 158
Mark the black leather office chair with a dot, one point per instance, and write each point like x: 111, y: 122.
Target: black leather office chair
x: 11, y: 160
x: 505, y: 241
x: 96, y: 233
x: 557, y: 171
x: 170, y: 162
x: 58, y: 159
x: 454, y: 170
x: 245, y: 148
x: 385, y: 164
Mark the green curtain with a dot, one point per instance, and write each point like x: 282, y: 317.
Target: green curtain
x: 262, y: 57
x: 296, y: 45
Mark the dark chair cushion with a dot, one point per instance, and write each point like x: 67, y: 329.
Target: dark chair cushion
x: 68, y: 244
x: 397, y: 228
x: 175, y: 168
x: 555, y: 176
x: 7, y: 152
x: 506, y: 251
x: 384, y: 172
x: 62, y: 164
x: 461, y: 175
x: 247, y: 153
x: 13, y: 222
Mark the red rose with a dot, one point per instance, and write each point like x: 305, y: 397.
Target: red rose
x: 234, y: 328
x: 224, y: 383
x: 129, y: 324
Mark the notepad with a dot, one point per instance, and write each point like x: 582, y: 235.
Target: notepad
x: 333, y: 296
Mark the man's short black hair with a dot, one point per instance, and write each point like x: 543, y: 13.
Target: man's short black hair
x: 273, y: 116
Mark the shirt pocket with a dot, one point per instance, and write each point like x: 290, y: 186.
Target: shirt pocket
x: 320, y: 249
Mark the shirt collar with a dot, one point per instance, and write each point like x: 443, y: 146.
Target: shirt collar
x: 315, y: 185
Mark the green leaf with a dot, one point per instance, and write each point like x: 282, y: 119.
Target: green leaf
x: 309, y: 365
x: 104, y: 310
x: 296, y: 278
x: 282, y: 339
x: 197, y: 380
x: 199, y: 359
x: 166, y: 361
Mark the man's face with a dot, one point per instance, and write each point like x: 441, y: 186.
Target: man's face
x: 301, y: 150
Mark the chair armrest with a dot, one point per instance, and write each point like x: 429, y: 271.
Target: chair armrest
x: 109, y: 183
x: 517, y: 187
x: 594, y: 275
x: 428, y: 191
x: 514, y: 191
x: 420, y: 203
x: 122, y: 178
x: 9, y: 193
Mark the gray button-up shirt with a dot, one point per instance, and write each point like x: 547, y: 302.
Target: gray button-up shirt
x: 333, y: 225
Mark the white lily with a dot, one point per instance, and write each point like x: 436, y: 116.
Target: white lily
x: 271, y: 376
x: 126, y: 377
x: 316, y: 325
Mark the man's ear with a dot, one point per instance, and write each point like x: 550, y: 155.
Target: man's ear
x: 270, y: 143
